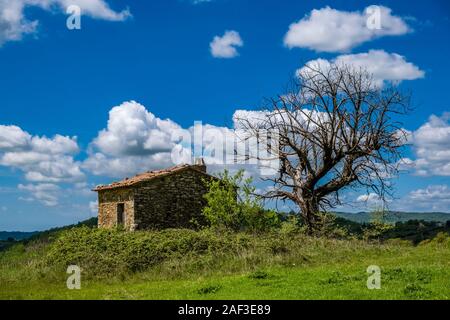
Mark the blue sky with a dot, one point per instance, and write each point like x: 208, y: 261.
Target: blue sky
x: 58, y: 87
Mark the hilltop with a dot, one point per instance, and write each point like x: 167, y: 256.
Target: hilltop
x: 204, y: 264
x: 396, y: 216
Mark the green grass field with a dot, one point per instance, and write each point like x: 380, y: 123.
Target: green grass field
x: 258, y: 267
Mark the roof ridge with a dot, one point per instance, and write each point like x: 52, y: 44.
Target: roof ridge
x: 163, y: 170
x: 145, y: 176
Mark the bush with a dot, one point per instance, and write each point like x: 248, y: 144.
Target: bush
x: 232, y: 204
x: 209, y: 289
x: 441, y: 239
x: 327, y: 226
x: 291, y: 226
x: 104, y: 252
x: 258, y: 275
x: 415, y: 291
x: 378, y: 225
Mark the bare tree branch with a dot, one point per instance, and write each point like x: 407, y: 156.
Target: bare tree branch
x: 336, y: 130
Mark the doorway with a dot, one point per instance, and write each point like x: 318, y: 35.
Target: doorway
x: 121, y: 214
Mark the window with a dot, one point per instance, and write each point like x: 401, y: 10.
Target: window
x: 120, y: 213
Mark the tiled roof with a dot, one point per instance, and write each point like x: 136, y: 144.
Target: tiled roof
x: 149, y: 175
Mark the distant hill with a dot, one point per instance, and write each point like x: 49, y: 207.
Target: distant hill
x: 16, y: 235
x: 359, y: 217
x: 396, y: 216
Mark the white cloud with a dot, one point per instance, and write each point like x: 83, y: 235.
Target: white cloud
x: 369, y: 201
x: 14, y: 24
x: 98, y: 9
x: 382, y: 65
x: 45, y: 193
x: 431, y: 144
x: 59, y: 169
x: 134, y: 140
x: 331, y: 30
x: 42, y: 159
x: 132, y: 130
x: 225, y: 46
x: 432, y: 198
x: 240, y: 117
x: 431, y: 193
x: 12, y: 138
x: 125, y: 166
x: 371, y: 197
x: 93, y: 206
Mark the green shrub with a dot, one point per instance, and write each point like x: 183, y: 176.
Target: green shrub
x: 259, y: 275
x: 415, y: 291
x: 441, y: 239
x: 291, y: 226
x: 378, y: 225
x: 209, y: 289
x: 423, y: 276
x: 232, y: 204
x: 108, y: 253
x: 103, y: 252
x: 326, y: 226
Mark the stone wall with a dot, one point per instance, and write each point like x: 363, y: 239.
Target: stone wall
x: 107, y: 207
x: 171, y: 201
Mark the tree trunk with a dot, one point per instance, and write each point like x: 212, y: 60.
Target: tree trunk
x: 309, y: 209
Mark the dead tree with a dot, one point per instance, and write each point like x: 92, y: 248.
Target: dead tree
x: 336, y: 130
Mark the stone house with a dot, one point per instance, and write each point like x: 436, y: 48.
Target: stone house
x: 169, y: 198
